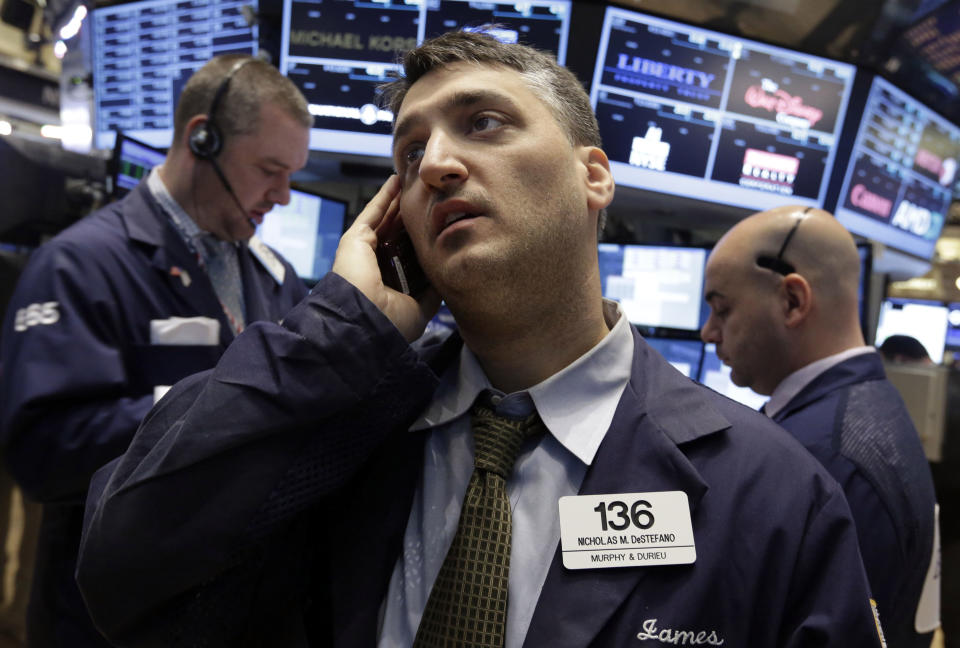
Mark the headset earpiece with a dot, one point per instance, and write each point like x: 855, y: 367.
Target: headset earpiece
x: 205, y: 141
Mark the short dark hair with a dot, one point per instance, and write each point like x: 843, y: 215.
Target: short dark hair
x: 253, y: 85
x: 903, y: 347
x: 554, y: 84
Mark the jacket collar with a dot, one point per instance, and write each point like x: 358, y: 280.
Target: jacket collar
x: 147, y: 224
x: 866, y: 366
x: 661, y: 411
x: 143, y: 218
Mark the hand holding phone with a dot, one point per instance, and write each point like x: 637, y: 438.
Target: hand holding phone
x: 365, y: 259
x: 397, y: 258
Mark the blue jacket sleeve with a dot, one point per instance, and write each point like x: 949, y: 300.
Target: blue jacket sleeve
x: 206, y: 475
x: 823, y: 608
x: 66, y: 409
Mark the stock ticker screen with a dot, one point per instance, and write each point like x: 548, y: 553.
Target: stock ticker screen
x: 339, y: 51
x: 656, y: 285
x: 144, y: 52
x: 131, y: 163
x: 902, y: 173
x: 696, y: 113
x: 306, y: 231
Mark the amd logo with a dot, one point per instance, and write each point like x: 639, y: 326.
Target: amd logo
x: 913, y: 218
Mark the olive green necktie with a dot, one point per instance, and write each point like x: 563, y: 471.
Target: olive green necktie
x: 468, y: 603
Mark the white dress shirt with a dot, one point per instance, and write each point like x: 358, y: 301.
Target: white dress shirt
x: 576, y: 405
x: 792, y: 384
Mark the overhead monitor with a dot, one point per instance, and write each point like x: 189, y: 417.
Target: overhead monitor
x: 684, y: 355
x: 338, y: 51
x: 902, y: 173
x: 656, y: 285
x: 306, y: 232
x: 716, y: 375
x: 921, y: 319
x: 544, y: 25
x: 144, y: 52
x: 131, y: 162
x: 692, y: 112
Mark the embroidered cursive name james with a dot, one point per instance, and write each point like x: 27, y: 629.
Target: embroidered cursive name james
x: 678, y: 637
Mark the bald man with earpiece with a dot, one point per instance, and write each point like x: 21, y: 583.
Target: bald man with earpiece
x: 782, y: 290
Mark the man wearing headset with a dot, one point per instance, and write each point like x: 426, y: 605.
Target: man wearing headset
x: 782, y: 289
x: 91, y: 331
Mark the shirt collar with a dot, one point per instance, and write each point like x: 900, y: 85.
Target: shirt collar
x: 188, y: 229
x: 795, y: 382
x: 184, y: 224
x: 576, y: 404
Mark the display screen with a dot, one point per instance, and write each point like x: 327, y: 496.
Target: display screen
x: 306, y: 232
x: 696, y: 113
x: 924, y: 320
x: 144, y: 52
x: 658, y: 286
x: 339, y: 51
x: 902, y: 172
x: 132, y: 161
x: 716, y: 375
x: 953, y: 326
x: 684, y: 355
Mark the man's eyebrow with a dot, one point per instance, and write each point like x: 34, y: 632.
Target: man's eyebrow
x: 712, y: 295
x: 459, y: 99
x: 274, y: 161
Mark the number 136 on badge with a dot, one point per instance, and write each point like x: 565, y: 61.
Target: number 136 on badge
x: 626, y: 530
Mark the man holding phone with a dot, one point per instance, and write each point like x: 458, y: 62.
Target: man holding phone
x: 543, y: 478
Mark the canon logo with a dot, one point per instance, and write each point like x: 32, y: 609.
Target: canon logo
x: 863, y: 198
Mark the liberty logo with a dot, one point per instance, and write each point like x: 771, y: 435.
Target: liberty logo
x: 665, y: 71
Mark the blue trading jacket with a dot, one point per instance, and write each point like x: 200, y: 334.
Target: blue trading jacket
x: 855, y: 423
x: 264, y: 503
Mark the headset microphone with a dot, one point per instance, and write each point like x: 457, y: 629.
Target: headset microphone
x: 226, y: 185
x: 206, y: 140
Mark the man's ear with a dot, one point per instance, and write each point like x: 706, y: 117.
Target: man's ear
x: 798, y: 299
x: 599, y: 179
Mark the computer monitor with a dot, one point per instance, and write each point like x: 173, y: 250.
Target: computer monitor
x: 131, y: 162
x: 902, y: 172
x: 338, y: 51
x: 144, y: 52
x: 696, y: 113
x: 922, y: 319
x: 306, y: 232
x: 544, y: 25
x: 657, y: 285
x: 684, y: 354
x: 953, y: 326
x: 716, y: 375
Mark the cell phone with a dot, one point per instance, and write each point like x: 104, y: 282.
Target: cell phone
x: 398, y: 262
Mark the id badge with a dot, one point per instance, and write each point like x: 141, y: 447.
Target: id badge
x: 626, y: 530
